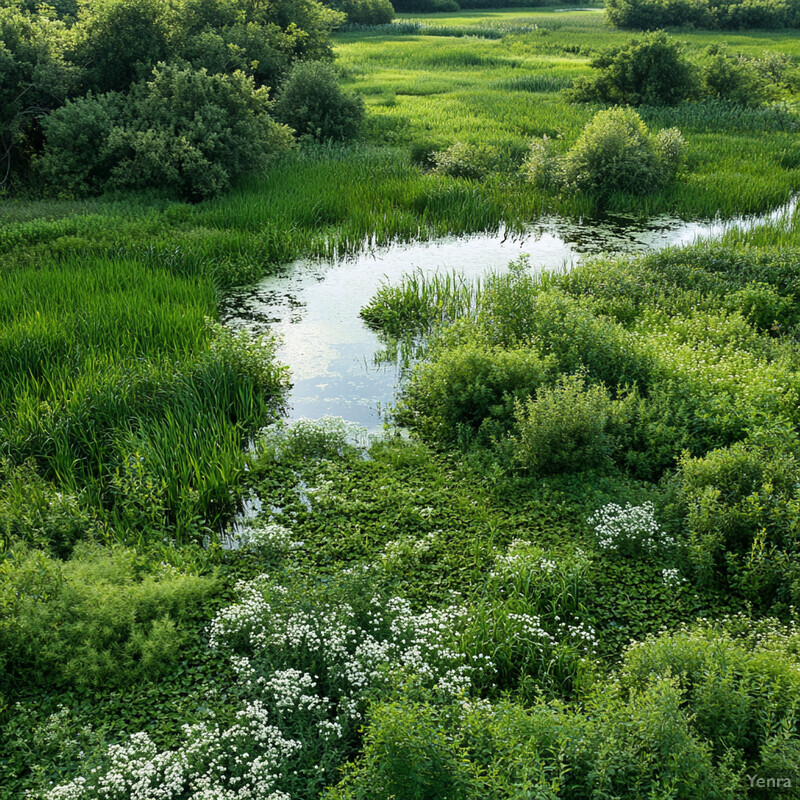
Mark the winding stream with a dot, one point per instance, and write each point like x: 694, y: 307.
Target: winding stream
x: 313, y: 305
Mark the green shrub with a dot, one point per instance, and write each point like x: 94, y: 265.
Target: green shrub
x: 688, y: 716
x: 35, y: 512
x: 671, y: 148
x: 563, y: 429
x: 642, y: 746
x: 425, y: 6
x: 565, y: 328
x: 184, y: 131
x: 742, y: 690
x: 463, y: 388
x: 542, y: 165
x: 708, y: 14
x: 738, y: 508
x: 736, y: 78
x: 34, y: 78
x: 312, y: 102
x: 614, y: 153
x: 79, y: 155
x: 649, y: 70
x: 101, y: 618
x: 762, y: 305
x: 260, y: 51
x: 463, y: 160
x: 365, y: 12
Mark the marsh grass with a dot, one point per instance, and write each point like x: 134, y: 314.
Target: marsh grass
x: 117, y: 389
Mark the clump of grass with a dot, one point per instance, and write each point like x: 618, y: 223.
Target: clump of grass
x: 533, y: 83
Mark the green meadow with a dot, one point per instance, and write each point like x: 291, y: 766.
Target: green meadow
x: 570, y: 572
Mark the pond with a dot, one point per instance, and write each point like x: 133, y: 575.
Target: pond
x: 313, y: 306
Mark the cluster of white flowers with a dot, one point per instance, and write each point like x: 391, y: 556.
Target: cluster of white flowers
x: 268, y: 539
x: 241, y: 762
x: 629, y: 530
x: 407, y: 548
x: 672, y: 577
x: 289, y: 690
x: 355, y: 658
x: 245, y: 620
x: 580, y: 634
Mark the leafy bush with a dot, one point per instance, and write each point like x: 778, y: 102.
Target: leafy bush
x: 737, y: 508
x: 463, y: 388
x: 423, y: 152
x: 113, y: 44
x: 260, y: 51
x: 33, y: 511
x: 737, y: 679
x: 312, y: 102
x: 649, y: 70
x: 709, y: 14
x: 543, y: 166
x: 79, y: 156
x: 425, y: 6
x: 563, y: 429
x: 565, y: 328
x: 728, y: 76
x: 688, y: 716
x: 652, y: 70
x: 365, y: 12
x: 671, y: 148
x: 463, y: 160
x: 101, y: 618
x: 615, y: 153
x: 184, y: 130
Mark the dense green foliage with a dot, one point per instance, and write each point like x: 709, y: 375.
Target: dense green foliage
x: 365, y: 12
x: 653, y: 70
x: 696, y: 695
x: 174, y: 96
x: 708, y: 14
x: 648, y: 71
x: 615, y: 153
x: 184, y: 130
x: 685, y: 357
x: 101, y: 618
x: 312, y: 103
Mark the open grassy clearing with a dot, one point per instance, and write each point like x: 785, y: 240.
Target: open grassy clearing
x: 505, y: 91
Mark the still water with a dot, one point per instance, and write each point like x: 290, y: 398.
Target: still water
x: 313, y: 305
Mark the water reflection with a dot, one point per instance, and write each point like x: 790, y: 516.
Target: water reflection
x: 314, y: 305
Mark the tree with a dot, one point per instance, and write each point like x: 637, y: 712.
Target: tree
x: 34, y: 79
